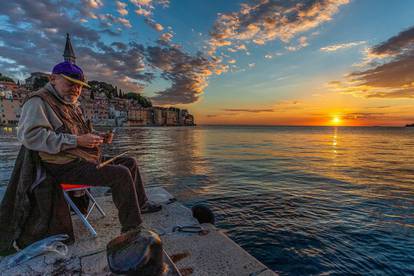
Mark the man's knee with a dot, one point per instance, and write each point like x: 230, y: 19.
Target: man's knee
x: 131, y: 161
x: 121, y: 173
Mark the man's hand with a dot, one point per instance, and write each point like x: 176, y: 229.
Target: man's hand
x: 89, y: 140
x: 108, y: 137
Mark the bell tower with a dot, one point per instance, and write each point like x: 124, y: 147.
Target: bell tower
x: 69, y: 54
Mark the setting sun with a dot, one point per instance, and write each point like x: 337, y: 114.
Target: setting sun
x: 336, y: 120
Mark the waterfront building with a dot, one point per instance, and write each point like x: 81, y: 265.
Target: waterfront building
x: 157, y: 116
x: 171, y: 116
x: 181, y: 116
x: 30, y: 81
x: 189, y: 120
x: 97, y: 109
x: 137, y: 116
x: 8, y: 85
x: 10, y: 109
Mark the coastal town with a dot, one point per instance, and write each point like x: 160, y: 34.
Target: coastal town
x: 102, y: 104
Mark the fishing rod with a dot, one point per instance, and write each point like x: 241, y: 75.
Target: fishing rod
x: 100, y: 165
x: 106, y: 137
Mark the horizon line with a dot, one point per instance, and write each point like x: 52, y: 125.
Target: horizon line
x: 259, y: 125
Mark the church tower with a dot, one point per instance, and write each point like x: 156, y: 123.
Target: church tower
x: 69, y: 54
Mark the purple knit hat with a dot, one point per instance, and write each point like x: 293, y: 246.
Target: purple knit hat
x: 71, y: 72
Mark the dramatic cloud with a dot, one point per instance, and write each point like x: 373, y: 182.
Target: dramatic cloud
x: 131, y: 66
x: 34, y: 37
x: 336, y: 47
x: 393, y: 78
x: 397, y: 44
x: 187, y: 73
x: 120, y: 63
x: 266, y: 20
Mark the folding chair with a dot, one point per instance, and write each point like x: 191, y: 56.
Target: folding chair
x: 77, y: 187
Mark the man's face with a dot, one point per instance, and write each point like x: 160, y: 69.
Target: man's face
x: 70, y: 91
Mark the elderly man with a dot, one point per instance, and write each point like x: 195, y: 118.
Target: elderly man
x: 52, y: 124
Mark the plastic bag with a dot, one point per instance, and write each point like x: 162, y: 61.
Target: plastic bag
x: 49, y: 244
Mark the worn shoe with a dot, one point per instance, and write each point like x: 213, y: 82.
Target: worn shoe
x: 150, y: 207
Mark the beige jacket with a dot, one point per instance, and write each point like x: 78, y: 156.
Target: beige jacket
x: 36, y: 131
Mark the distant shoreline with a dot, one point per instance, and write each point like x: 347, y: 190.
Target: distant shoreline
x: 223, y: 125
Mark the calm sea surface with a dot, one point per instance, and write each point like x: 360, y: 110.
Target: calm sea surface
x: 303, y: 200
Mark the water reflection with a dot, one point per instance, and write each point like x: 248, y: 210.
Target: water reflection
x: 304, y: 200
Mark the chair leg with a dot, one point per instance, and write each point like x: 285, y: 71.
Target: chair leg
x: 81, y: 216
x: 95, y: 203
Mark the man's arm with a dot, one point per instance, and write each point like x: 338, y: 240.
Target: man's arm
x: 35, y: 130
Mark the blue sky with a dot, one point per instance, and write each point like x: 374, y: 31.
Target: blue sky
x: 253, y: 62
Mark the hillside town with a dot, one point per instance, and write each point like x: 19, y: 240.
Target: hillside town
x: 103, y: 104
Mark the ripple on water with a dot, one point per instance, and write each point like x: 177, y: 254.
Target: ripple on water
x: 303, y: 200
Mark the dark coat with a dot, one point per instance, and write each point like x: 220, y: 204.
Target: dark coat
x: 27, y: 216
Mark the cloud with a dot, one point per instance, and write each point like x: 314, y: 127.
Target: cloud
x: 86, y: 6
x: 248, y: 110
x: 380, y: 107
x: 188, y: 74
x: 119, y: 63
x: 130, y: 66
x: 166, y: 37
x: 396, y: 45
x: 341, y: 46
x: 146, y: 7
x: 143, y: 12
x: 262, y: 21
x: 42, y: 48
x: 121, y: 8
x: 391, y: 78
x: 399, y: 93
x: 111, y: 19
x: 124, y: 22
x: 150, y: 3
x: 156, y: 26
x: 362, y: 116
x: 93, y: 4
x: 302, y: 43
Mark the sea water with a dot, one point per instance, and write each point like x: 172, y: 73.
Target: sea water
x: 303, y: 200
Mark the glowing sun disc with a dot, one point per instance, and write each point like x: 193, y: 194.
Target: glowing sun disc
x: 336, y: 120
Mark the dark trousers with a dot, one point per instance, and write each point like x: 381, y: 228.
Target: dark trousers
x: 122, y: 175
